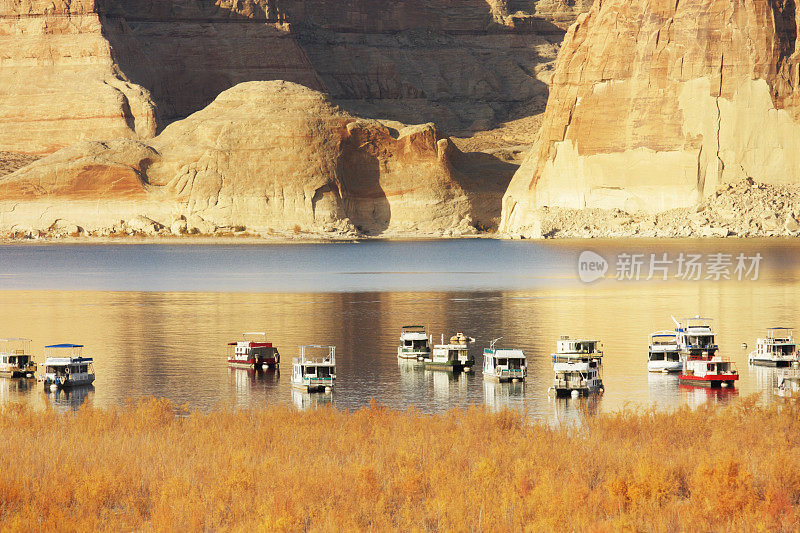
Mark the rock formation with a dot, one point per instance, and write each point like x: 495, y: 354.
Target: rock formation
x: 270, y: 156
x: 74, y: 70
x: 655, y: 104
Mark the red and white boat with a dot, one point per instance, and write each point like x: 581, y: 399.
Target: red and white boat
x: 712, y: 372
x: 254, y: 352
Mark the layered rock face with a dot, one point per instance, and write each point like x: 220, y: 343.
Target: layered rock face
x: 58, y: 79
x: 654, y: 104
x: 75, y: 70
x: 266, y: 155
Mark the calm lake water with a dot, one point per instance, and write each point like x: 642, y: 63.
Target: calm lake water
x: 157, y: 318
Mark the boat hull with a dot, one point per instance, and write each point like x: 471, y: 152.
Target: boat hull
x: 16, y: 374
x: 449, y: 366
x: 70, y: 383
x: 412, y: 355
x: 709, y: 381
x: 252, y: 363
x: 771, y: 363
x: 583, y: 391
x: 502, y: 379
x: 315, y: 387
x: 664, y: 366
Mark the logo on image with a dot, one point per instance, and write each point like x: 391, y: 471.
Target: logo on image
x: 591, y: 266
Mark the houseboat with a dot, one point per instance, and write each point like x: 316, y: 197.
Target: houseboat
x: 16, y: 360
x: 453, y: 357
x: 715, y: 372
x: 695, y: 337
x: 65, y: 366
x: 664, y: 354
x: 253, y: 352
x: 313, y: 373
x: 776, y: 349
x: 414, y: 343
x: 503, y: 364
x: 577, y: 364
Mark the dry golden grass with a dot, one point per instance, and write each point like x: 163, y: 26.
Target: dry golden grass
x: 144, y: 467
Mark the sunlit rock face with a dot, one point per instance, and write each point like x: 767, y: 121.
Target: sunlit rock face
x: 655, y: 104
x: 264, y: 155
x: 80, y: 70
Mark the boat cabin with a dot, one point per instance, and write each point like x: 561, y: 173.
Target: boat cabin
x: 253, y: 351
x: 15, y: 358
x: 713, y: 372
x: 567, y: 348
x: 664, y: 354
x: 414, y: 343
x: 696, y: 337
x: 65, y: 366
x: 776, y: 349
x: 454, y: 356
x: 504, y: 364
x: 314, y: 369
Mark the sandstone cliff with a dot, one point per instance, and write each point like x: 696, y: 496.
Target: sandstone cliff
x: 654, y: 104
x: 266, y: 155
x: 74, y: 70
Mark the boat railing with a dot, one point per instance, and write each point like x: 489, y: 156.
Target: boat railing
x: 317, y: 354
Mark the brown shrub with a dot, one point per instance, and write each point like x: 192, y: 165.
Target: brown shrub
x: 150, y: 466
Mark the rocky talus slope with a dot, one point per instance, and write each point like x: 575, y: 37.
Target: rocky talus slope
x: 656, y: 105
x: 742, y: 209
x: 268, y: 157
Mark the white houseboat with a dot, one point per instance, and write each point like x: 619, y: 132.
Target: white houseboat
x: 454, y: 356
x: 314, y: 372
x: 65, y: 366
x: 577, y: 364
x: 664, y: 354
x: 16, y: 360
x: 253, y: 352
x: 695, y: 337
x: 503, y: 364
x: 776, y: 349
x: 414, y: 343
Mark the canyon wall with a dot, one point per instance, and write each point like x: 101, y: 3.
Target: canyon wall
x: 74, y: 70
x: 270, y: 156
x: 654, y: 104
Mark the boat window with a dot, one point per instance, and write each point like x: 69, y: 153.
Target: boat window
x: 5, y: 359
x: 502, y: 361
x: 84, y: 368
x: 323, y: 371
x: 657, y: 357
x: 310, y: 370
x: 420, y: 344
x: 515, y: 363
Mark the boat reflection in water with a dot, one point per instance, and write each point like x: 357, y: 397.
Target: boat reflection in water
x: 305, y: 401
x: 697, y: 396
x: 70, y: 398
x: 573, y: 411
x: 449, y: 386
x: 777, y: 382
x: 412, y: 374
x: 248, y: 383
x: 13, y: 389
x: 507, y: 395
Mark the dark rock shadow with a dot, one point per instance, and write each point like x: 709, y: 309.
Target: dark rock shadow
x: 364, y: 200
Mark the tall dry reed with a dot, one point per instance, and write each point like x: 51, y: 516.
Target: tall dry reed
x: 145, y: 467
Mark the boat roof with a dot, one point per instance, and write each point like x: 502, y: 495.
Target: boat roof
x: 16, y: 339
x: 505, y: 352
x: 65, y: 346
x: 663, y: 333
x: 65, y: 361
x: 414, y: 327
x: 414, y: 335
x: 317, y: 346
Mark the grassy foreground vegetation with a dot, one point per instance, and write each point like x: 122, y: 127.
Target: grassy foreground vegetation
x: 144, y: 467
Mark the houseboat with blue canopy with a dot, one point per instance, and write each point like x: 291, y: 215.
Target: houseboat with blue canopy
x: 16, y: 360
x: 696, y: 337
x: 65, y: 366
